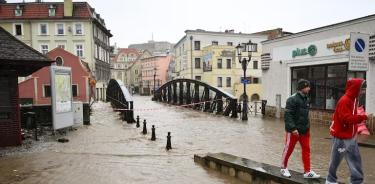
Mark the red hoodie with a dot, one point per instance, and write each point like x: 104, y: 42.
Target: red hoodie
x: 345, y: 118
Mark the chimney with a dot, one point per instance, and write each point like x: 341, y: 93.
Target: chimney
x: 68, y: 8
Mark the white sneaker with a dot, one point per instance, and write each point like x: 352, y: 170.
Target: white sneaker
x: 285, y: 172
x: 311, y: 174
x: 327, y: 182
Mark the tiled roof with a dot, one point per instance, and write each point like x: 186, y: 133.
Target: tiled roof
x: 13, y: 49
x: 40, y: 10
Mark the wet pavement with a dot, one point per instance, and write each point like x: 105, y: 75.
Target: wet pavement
x: 111, y: 151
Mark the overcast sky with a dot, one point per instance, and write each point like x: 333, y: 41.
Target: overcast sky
x: 135, y: 21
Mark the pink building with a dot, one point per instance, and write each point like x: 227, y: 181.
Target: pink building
x: 154, y: 66
x: 38, y: 86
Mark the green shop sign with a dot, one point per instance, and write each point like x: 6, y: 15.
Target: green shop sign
x: 311, y: 50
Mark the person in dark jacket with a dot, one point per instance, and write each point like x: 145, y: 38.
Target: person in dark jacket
x: 297, y: 127
x: 344, y: 130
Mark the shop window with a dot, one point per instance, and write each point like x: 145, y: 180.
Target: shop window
x: 215, y: 43
x: 327, y: 83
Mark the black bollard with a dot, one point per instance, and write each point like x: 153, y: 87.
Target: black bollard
x: 169, y: 144
x: 153, y: 136
x: 138, y: 122
x: 144, y: 127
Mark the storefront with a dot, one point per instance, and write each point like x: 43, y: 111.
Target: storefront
x: 322, y: 56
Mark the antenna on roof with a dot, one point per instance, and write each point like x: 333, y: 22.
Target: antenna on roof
x: 152, y: 36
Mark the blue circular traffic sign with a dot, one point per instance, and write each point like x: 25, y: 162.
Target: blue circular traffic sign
x: 360, y: 45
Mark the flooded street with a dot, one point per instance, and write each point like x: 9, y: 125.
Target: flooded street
x: 111, y: 151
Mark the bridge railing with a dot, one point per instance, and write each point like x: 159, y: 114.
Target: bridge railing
x: 197, y: 95
x: 120, y: 99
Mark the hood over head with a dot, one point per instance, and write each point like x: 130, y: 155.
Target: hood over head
x: 353, y: 87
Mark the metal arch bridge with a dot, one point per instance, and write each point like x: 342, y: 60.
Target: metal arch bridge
x: 120, y: 99
x: 197, y: 95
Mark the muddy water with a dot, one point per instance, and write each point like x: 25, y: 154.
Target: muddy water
x: 110, y: 151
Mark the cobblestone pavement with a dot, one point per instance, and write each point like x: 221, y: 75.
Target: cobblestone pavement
x: 111, y: 151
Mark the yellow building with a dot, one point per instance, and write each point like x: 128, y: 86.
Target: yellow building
x: 75, y: 27
x: 220, y: 68
x: 210, y: 57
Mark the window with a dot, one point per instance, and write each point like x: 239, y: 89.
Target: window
x: 44, y: 49
x: 78, y: 29
x: 215, y: 43
x: 62, y: 46
x: 18, y: 30
x: 18, y: 11
x: 79, y: 50
x: 136, y: 72
x: 230, y: 43
x: 47, y: 91
x: 43, y: 28
x: 229, y: 63
x: 75, y: 90
x: 197, y: 62
x: 255, y: 80
x: 198, y: 77
x: 327, y: 84
x: 197, y: 45
x: 52, y: 11
x: 219, y: 82
x: 229, y: 82
x: 60, y: 29
x: 255, y: 64
x: 219, y: 63
x: 59, y: 61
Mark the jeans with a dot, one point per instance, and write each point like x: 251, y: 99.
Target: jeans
x: 347, y: 148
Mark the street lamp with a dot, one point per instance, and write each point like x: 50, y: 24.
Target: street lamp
x: 245, y: 60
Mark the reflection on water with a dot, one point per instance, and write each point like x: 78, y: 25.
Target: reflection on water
x: 110, y: 151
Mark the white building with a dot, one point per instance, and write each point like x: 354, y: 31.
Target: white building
x: 320, y: 55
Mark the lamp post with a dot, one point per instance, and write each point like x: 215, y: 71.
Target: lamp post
x: 154, y: 80
x: 245, y: 60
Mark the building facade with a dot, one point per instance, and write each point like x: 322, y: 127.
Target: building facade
x: 211, y: 57
x: 121, y: 64
x: 38, y: 87
x: 322, y: 56
x: 73, y: 26
x: 154, y: 73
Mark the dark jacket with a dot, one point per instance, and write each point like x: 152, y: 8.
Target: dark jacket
x: 345, y: 119
x: 297, y: 113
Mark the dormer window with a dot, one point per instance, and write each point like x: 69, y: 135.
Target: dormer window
x: 18, y: 11
x: 52, y: 10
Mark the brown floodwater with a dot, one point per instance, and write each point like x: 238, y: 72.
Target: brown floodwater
x: 112, y: 151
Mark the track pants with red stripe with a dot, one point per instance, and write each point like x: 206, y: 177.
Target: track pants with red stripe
x: 290, y: 142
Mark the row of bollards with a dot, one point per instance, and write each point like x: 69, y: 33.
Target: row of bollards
x: 153, y: 135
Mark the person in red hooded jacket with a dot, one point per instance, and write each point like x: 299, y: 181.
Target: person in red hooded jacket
x: 344, y: 130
